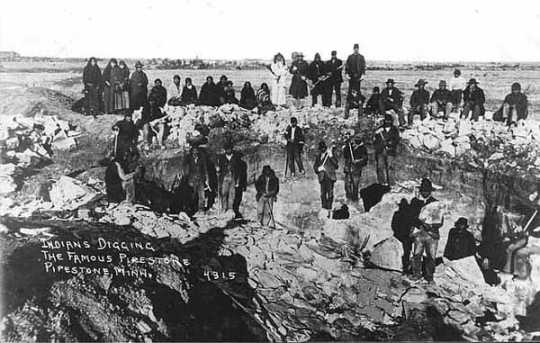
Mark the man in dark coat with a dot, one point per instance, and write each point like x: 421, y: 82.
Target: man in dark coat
x: 514, y: 108
x: 241, y: 186
x: 209, y: 95
x: 195, y: 170
x: 355, y: 100
x: 92, y: 84
x: 391, y: 98
x: 325, y: 166
x: 334, y: 70
x: 355, y: 68
x: 126, y: 134
x: 386, y: 142
x: 473, y: 100
x: 157, y: 99
x: 461, y: 243
x: 425, y: 235
x: 402, y: 222
x: 419, y: 101
x: 267, y: 187
x: 356, y: 157
x: 317, y: 75
x: 138, y: 87
x: 295, y: 144
x: 441, y: 100
x: 228, y: 169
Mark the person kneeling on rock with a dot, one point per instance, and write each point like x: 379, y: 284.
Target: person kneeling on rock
x: 267, y: 186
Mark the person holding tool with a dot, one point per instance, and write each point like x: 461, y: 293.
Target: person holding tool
x: 356, y: 157
x: 228, y: 170
x: 325, y: 167
x: 334, y: 68
x: 386, y: 142
x: 126, y: 134
x: 267, y: 187
x: 295, y: 144
x: 317, y: 75
x: 195, y: 169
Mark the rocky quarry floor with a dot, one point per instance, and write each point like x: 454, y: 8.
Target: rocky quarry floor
x: 309, y: 278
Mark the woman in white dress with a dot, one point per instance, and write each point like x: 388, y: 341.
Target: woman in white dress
x: 279, y: 85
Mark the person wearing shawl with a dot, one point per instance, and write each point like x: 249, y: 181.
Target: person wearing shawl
x: 126, y: 134
x: 230, y: 97
x: 279, y: 72
x: 209, y: 95
x: 263, y: 99
x: 299, y: 70
x: 175, y: 92
x: 221, y: 86
x: 138, y: 86
x: 317, y: 74
x: 189, y: 93
x: 117, y: 85
x: 122, y: 98
x: 248, y: 100
x: 108, y: 89
x: 92, y: 84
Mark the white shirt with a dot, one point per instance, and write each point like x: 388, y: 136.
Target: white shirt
x: 293, y: 129
x: 457, y: 83
x: 173, y: 91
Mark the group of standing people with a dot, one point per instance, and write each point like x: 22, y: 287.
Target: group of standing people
x: 115, y: 90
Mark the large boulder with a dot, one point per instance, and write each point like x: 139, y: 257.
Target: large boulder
x: 69, y: 194
x: 465, y: 269
x: 387, y: 254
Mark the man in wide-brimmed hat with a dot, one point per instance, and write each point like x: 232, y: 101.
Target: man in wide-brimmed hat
x: 391, y: 98
x: 295, y: 144
x: 461, y: 243
x: 386, y: 142
x: 426, y: 235
x: 356, y: 157
x: 473, y: 101
x: 441, y: 100
x: 419, y: 101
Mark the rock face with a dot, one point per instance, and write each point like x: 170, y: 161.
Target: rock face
x: 387, y: 254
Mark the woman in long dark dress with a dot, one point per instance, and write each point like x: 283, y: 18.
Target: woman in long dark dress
x: 209, y: 95
x: 248, y: 100
x: 138, y: 85
x: 92, y: 85
x: 299, y: 69
x: 108, y: 89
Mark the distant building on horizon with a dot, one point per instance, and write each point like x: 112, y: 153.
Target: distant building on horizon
x: 9, y: 56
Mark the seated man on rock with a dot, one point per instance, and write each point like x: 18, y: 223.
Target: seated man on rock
x: 473, y: 101
x: 514, y: 107
x: 391, y: 98
x: 419, y: 101
x: 441, y: 100
x: 461, y: 243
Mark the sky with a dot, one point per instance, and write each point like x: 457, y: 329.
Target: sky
x: 393, y: 30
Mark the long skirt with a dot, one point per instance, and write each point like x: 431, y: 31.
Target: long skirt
x: 298, y: 88
x: 92, y: 101
x: 279, y: 93
x: 121, y: 100
x: 108, y: 99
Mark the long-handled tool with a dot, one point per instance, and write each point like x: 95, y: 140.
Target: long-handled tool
x: 116, y: 142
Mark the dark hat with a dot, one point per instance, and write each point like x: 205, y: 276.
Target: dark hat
x: 157, y: 80
x: 421, y: 82
x: 266, y: 169
x: 426, y: 185
x: 388, y: 117
x: 403, y: 203
x: 355, y: 46
x: 442, y: 83
x: 333, y: 53
x: 322, y: 145
x: 471, y: 81
x: 390, y: 81
x: 516, y: 86
x: 138, y: 64
x: 457, y: 71
x: 294, y: 120
x: 462, y: 221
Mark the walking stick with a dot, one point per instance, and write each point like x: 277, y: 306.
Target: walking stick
x: 116, y: 132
